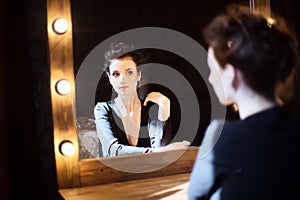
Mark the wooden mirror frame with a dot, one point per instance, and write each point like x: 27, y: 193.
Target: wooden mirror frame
x: 72, y: 172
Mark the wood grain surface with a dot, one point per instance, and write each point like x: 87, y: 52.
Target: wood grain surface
x: 172, y: 187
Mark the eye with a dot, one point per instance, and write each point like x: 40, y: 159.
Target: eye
x: 115, y: 74
x: 129, y: 72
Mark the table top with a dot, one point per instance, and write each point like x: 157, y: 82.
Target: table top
x: 171, y: 187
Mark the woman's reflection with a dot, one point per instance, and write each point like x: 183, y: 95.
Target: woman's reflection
x: 129, y: 124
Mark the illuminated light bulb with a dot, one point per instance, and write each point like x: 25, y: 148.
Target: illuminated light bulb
x: 67, y: 148
x: 63, y: 87
x: 60, y: 26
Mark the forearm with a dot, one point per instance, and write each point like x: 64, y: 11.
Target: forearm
x: 163, y: 113
x: 111, y: 146
x: 119, y: 149
x: 202, y: 178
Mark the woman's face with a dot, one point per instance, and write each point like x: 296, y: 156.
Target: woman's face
x: 124, y: 76
x: 216, y: 76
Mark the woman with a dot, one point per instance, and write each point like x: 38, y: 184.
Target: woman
x: 128, y: 124
x: 255, y: 157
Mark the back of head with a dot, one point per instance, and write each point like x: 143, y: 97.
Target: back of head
x: 264, y: 50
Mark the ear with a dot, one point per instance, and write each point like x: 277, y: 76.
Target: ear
x: 139, y: 75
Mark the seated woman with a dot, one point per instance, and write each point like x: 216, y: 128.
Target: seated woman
x: 255, y: 157
x: 128, y: 124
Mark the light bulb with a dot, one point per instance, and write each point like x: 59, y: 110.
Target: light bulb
x: 60, y: 26
x: 63, y: 87
x: 67, y: 148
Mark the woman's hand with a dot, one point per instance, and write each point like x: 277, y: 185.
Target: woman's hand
x: 173, y: 146
x: 163, y: 103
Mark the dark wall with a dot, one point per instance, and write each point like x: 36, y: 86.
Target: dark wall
x: 28, y: 163
x: 95, y: 21
x: 290, y: 11
x: 5, y: 184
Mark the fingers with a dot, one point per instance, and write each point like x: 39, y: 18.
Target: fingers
x: 150, y: 97
x: 146, y: 101
x: 178, y: 145
x: 186, y: 143
x: 174, y: 146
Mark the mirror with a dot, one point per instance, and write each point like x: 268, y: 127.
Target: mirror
x: 173, y: 51
x: 176, y: 43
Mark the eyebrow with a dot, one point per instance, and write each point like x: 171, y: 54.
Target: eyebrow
x: 130, y: 68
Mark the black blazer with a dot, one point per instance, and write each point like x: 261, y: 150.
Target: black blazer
x: 256, y: 158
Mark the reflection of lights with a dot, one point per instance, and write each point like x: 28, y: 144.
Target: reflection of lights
x: 67, y: 148
x: 60, y: 26
x: 172, y: 192
x: 63, y: 87
x: 235, y: 108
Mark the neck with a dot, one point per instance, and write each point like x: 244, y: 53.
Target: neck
x: 128, y: 100
x: 250, y: 103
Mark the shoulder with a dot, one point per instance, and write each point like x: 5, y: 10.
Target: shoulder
x: 223, y: 134
x: 287, y: 123
x: 276, y: 119
x: 269, y: 125
x: 211, y: 137
x: 103, y: 106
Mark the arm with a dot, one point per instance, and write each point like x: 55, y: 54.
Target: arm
x: 162, y: 101
x: 110, y: 144
x: 157, y: 126
x: 205, y: 172
x: 155, y: 129
x: 202, y: 178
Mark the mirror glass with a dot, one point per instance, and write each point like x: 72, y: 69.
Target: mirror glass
x: 169, y: 33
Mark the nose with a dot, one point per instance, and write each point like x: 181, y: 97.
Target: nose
x: 121, y: 78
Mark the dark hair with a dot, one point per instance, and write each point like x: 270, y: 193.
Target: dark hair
x: 264, y: 51
x: 122, y: 50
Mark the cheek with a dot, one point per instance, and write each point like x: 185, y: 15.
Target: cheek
x: 133, y: 79
x: 212, y: 72
x: 213, y: 76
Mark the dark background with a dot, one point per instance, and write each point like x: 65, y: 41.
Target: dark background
x: 27, y: 166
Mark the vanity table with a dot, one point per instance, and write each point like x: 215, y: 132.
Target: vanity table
x: 165, y: 187
x: 159, y: 180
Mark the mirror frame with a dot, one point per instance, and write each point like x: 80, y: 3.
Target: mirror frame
x: 72, y: 172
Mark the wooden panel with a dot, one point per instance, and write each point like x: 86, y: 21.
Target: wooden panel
x: 93, y: 171
x: 167, y: 187
x: 61, y: 67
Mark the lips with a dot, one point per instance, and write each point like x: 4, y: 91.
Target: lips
x: 123, y: 87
